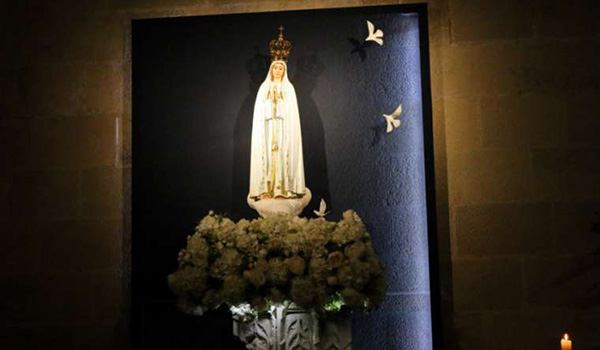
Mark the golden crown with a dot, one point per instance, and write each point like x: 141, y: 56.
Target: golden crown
x: 280, y: 48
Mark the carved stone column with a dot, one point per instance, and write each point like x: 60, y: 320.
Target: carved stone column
x: 294, y: 328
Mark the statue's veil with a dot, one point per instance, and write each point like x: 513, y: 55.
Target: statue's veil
x: 285, y: 81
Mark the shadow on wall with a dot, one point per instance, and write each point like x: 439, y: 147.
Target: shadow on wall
x: 257, y: 68
x: 308, y: 69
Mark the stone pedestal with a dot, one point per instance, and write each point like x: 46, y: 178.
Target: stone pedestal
x: 294, y: 328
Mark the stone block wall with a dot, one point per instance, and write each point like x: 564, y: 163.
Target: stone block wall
x: 516, y: 117
x: 523, y: 160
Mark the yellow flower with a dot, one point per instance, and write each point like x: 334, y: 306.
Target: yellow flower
x: 190, y: 280
x: 352, y: 297
x: 277, y: 272
x: 283, y: 259
x: 229, y: 263
x: 296, y: 264
x: 211, y: 299
x: 335, y: 259
x: 355, y: 251
x: 318, y: 270
x: 302, y: 291
x: 345, y: 275
x: 234, y: 289
x: 275, y: 295
x: 197, y: 251
x: 256, y: 277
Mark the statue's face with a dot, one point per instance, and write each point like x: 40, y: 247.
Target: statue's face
x: 277, y: 71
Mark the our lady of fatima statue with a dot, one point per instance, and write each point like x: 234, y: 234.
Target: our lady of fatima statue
x: 276, y: 162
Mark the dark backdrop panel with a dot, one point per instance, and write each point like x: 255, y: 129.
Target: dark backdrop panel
x: 194, y: 85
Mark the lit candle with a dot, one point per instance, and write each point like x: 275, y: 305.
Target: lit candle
x: 565, y: 343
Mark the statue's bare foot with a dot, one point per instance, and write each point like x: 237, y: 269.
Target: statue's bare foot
x: 265, y: 196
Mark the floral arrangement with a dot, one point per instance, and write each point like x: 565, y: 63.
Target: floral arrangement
x: 251, y: 265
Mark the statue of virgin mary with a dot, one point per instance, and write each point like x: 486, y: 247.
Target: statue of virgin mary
x: 276, y: 161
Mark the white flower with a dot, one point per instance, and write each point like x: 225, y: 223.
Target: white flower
x: 255, y: 264
x: 242, y: 312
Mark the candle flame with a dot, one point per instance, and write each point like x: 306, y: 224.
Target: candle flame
x: 566, y: 337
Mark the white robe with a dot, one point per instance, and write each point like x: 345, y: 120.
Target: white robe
x: 287, y: 167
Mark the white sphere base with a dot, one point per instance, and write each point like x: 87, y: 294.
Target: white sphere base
x: 279, y: 206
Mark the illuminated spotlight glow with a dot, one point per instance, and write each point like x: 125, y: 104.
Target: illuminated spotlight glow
x: 397, y: 213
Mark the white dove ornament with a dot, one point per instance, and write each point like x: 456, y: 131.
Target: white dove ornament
x: 376, y: 36
x: 391, y: 120
x: 322, y: 207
